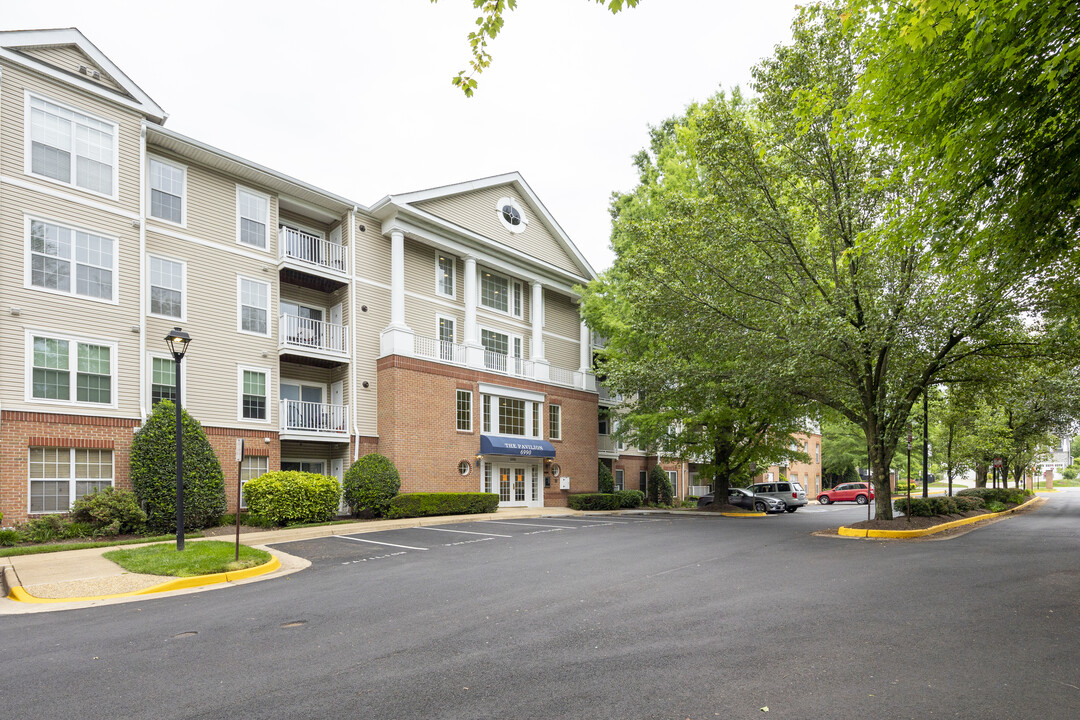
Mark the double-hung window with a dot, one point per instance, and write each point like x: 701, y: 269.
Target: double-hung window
x: 500, y: 346
x: 518, y: 416
x: 162, y: 380
x: 166, y: 288
x: 498, y: 292
x: 253, y: 394
x: 254, y: 302
x: 555, y: 422
x: 252, y: 218
x: 60, y: 476
x: 68, y: 370
x: 70, y: 147
x: 251, y: 467
x: 72, y: 261
x: 444, y: 276
x: 167, y: 191
x: 464, y: 410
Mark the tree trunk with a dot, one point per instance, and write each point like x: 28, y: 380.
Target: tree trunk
x: 981, y: 471
x: 722, y: 477
x: 880, y: 468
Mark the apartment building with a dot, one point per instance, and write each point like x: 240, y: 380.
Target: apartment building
x: 438, y: 327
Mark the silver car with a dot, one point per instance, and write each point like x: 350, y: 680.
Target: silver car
x: 790, y: 494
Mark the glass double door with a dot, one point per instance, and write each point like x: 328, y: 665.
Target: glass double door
x: 518, y: 484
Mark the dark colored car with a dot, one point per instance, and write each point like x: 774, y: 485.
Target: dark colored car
x: 848, y: 492
x: 746, y: 499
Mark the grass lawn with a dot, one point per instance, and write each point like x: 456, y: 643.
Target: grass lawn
x: 64, y: 546
x: 198, y: 558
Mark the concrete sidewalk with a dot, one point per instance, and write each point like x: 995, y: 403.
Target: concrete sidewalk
x: 83, y: 578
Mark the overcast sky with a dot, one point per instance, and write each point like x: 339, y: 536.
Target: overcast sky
x: 355, y: 97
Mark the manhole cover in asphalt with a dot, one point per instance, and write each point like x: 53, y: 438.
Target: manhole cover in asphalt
x: 294, y: 623
x: 184, y: 634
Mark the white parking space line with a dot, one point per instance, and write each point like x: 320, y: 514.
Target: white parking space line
x: 521, y: 524
x: 463, y: 532
x: 376, y: 542
x: 599, y: 518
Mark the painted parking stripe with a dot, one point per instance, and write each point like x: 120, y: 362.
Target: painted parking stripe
x: 599, y: 518
x: 464, y: 532
x: 521, y: 524
x: 376, y: 542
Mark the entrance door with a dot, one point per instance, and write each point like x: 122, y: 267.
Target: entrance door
x: 518, y: 484
x: 337, y: 469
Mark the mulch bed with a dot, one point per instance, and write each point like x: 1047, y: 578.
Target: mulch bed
x: 722, y: 508
x: 914, y: 523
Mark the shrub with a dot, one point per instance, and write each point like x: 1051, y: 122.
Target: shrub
x: 1068, y: 473
x: 1001, y: 495
x: 995, y: 506
x: 965, y: 504
x: 424, y: 504
x: 290, y: 496
x: 9, y: 537
x: 920, y: 507
x: 249, y: 519
x: 43, y: 529
x: 630, y: 498
x: 593, y: 501
x: 370, y: 483
x: 110, y: 512
x: 153, y: 472
x: 605, y: 481
x: 943, y: 505
x: 659, y: 486
x: 851, y: 475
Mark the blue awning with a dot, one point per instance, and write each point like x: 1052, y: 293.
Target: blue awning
x: 521, y: 447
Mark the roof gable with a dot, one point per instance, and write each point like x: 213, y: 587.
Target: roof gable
x: 67, y: 54
x: 476, y: 206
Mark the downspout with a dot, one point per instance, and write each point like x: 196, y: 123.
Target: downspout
x: 352, y: 331
x: 142, y: 274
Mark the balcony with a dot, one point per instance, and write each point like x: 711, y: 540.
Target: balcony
x: 303, y: 338
x: 440, y: 350
x: 605, y: 446
x: 312, y: 254
x: 606, y: 396
x: 314, y: 421
x: 509, y: 365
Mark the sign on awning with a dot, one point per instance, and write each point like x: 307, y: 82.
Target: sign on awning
x: 520, y: 447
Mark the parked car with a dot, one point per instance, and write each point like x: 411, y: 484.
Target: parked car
x: 791, y: 494
x: 848, y: 492
x: 740, y: 497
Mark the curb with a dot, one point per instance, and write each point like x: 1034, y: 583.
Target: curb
x: 19, y: 594
x: 907, y: 534
x: 688, y: 512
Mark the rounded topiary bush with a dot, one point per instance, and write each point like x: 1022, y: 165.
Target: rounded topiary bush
x: 605, y: 481
x: 153, y: 472
x: 110, y: 511
x: 659, y: 486
x: 630, y: 498
x: 290, y: 496
x: 370, y: 483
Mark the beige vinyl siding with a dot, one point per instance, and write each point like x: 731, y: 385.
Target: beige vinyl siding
x: 309, y: 374
x: 476, y: 211
x: 370, y: 258
x: 489, y: 323
x: 561, y: 316
x: 295, y: 450
x: 212, y: 313
x: 65, y: 314
x: 12, y: 116
x: 371, y: 251
x: 69, y: 58
x: 287, y: 218
x: 561, y: 353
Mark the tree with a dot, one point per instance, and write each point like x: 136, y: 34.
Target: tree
x: 490, y: 24
x: 153, y: 472
x: 843, y: 449
x: 605, y: 483
x: 792, y: 259
x: 370, y: 483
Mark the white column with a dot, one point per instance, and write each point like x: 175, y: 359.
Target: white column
x: 397, y: 279
x: 474, y: 351
x: 586, y: 349
x: 397, y: 338
x: 536, y: 314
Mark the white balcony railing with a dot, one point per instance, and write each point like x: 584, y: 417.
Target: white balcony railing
x: 608, y: 396
x: 312, y: 249
x: 606, y: 444
x: 443, y: 350
x: 297, y: 415
x: 307, y: 334
x: 503, y: 363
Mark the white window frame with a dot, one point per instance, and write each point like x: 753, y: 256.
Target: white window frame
x: 240, y: 393
x: 266, y: 220
x: 183, y: 191
x: 492, y: 404
x: 453, y: 276
x: 557, y: 409
x: 303, y: 384
x: 71, y: 479
x: 114, y: 368
x: 324, y: 461
x: 243, y: 503
x: 510, y: 337
x: 149, y: 390
x: 183, y: 288
x: 240, y: 307
x: 503, y: 201
x: 28, y: 261
x: 439, y: 317
x: 457, y: 399
x: 619, y: 478
x: 28, y: 147
x: 512, y: 285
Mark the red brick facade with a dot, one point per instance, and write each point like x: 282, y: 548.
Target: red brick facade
x: 417, y: 416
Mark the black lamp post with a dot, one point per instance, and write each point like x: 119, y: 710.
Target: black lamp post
x: 178, y: 341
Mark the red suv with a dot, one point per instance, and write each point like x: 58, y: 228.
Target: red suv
x: 847, y: 492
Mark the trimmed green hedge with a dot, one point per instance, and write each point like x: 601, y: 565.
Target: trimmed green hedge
x: 593, y: 501
x: 934, y: 506
x: 370, y: 483
x: 630, y: 498
x: 1001, y: 495
x: 290, y: 496
x: 423, y: 504
x: 153, y: 472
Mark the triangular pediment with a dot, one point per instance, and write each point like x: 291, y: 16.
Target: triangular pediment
x: 478, y: 206
x: 68, y: 55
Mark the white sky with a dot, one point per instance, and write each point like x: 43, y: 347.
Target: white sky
x: 355, y: 97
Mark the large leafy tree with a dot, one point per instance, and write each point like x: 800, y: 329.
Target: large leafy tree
x: 791, y: 257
